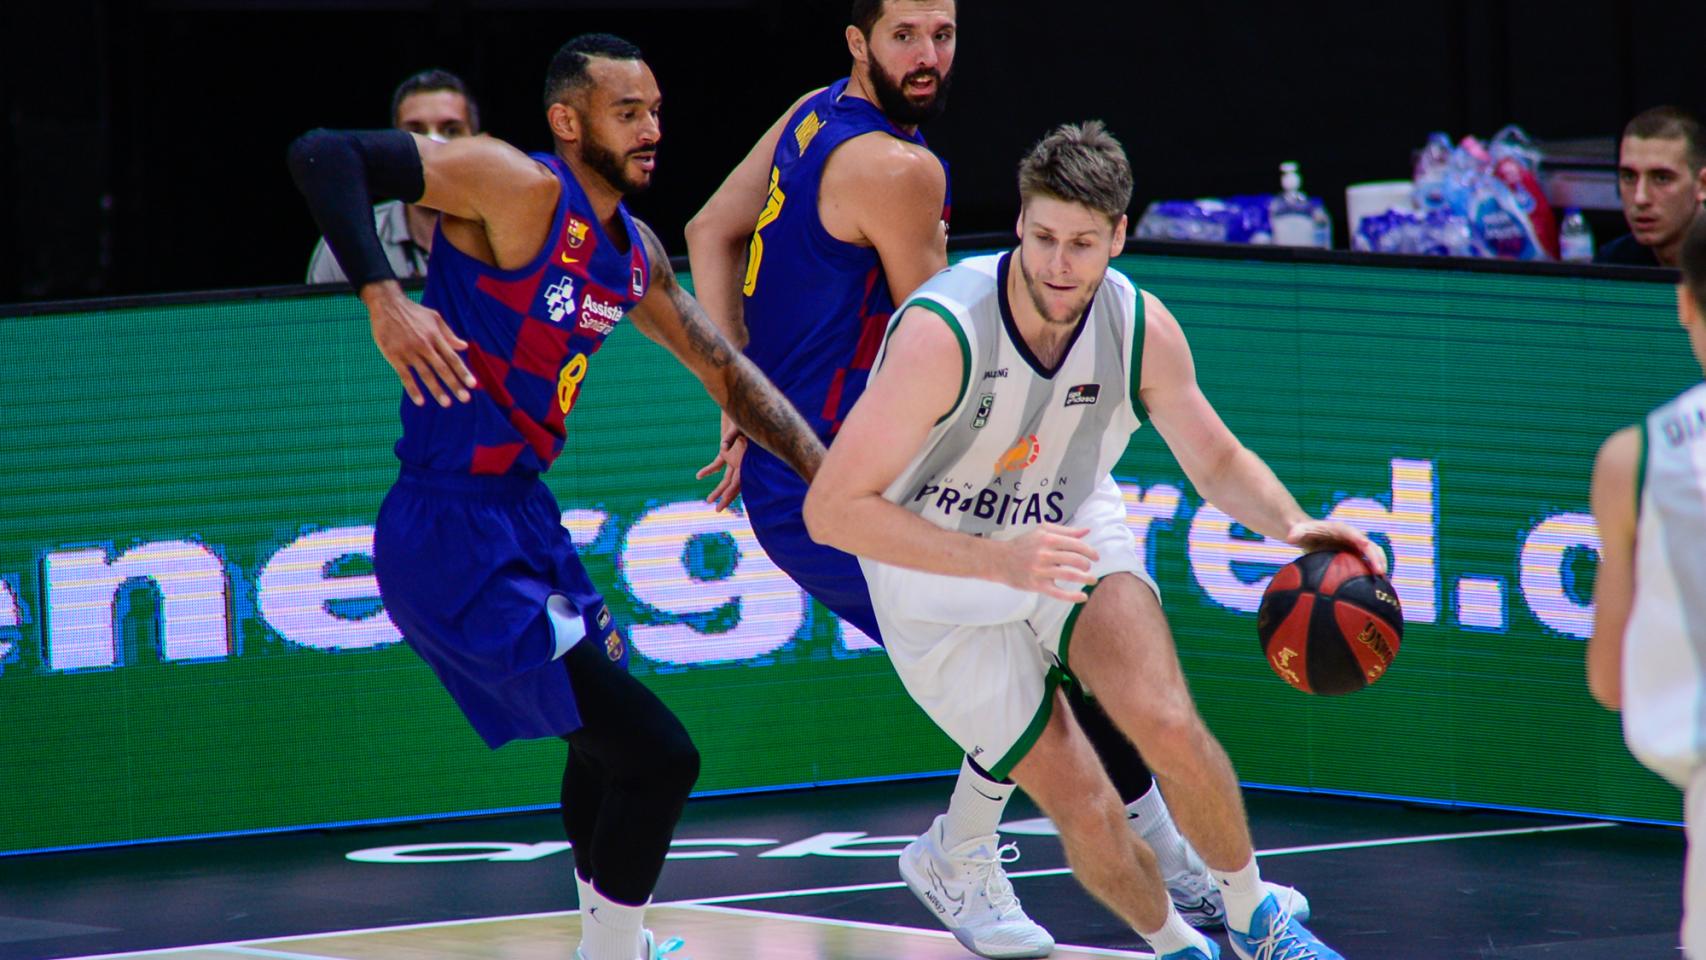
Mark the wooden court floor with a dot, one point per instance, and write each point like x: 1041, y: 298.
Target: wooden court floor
x: 709, y: 933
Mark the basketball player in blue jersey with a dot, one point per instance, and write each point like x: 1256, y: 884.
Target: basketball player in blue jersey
x: 835, y: 215
x: 535, y: 264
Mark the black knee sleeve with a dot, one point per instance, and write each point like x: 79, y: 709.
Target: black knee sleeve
x: 1125, y: 766
x: 677, y: 765
x: 631, y: 767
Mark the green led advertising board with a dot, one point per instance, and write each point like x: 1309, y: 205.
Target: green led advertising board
x: 191, y: 641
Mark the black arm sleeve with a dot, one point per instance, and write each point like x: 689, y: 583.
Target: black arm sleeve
x: 342, y: 172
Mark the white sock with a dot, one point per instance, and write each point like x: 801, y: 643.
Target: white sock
x: 586, y: 896
x: 976, y: 807
x: 610, y: 930
x: 1243, y: 892
x: 1174, y: 935
x: 1148, y: 815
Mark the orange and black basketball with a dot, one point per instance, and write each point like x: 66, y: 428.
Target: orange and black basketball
x: 1329, y: 624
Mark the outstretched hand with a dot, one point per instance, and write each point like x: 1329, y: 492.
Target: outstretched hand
x: 730, y: 452
x: 1035, y: 560
x: 417, y: 342
x: 1311, y: 535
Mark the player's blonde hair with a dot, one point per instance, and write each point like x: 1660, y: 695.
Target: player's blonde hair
x: 1079, y: 163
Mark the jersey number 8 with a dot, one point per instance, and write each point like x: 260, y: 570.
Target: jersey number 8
x: 569, y: 382
x: 772, y: 210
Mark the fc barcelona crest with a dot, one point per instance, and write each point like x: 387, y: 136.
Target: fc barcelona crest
x: 575, y: 233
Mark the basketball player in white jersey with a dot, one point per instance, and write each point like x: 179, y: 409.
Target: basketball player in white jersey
x: 1648, y: 651
x: 973, y: 480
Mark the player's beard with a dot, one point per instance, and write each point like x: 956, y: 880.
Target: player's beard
x: 1072, y: 313
x: 612, y: 166
x: 900, y: 109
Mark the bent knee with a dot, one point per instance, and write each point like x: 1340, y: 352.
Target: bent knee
x: 676, y: 765
x: 1162, y: 727
x: 1095, y: 811
x: 660, y: 760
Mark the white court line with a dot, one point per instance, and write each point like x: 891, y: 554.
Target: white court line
x: 779, y: 894
x: 937, y: 933
x: 1434, y: 838
x: 241, y: 944
x: 816, y: 891
x: 1277, y: 852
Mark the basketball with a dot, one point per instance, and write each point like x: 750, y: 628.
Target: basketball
x: 1329, y: 624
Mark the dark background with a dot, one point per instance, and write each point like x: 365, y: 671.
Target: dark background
x: 143, y: 142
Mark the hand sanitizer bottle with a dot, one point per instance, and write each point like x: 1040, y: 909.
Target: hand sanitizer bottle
x: 1291, y: 217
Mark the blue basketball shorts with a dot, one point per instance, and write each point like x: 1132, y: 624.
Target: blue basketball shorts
x: 774, y: 496
x: 466, y: 567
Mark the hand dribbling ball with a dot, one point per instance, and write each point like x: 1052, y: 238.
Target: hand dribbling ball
x: 1329, y: 624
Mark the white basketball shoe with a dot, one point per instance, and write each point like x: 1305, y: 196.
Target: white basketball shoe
x: 967, y: 889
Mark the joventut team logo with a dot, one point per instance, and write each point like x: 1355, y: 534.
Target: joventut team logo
x: 1019, y: 456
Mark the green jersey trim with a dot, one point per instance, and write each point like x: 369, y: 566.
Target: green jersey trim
x: 1066, y: 629
x: 1640, y: 465
x: 959, y: 334
x: 1028, y: 739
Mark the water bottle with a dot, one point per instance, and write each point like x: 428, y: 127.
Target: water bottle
x: 1514, y: 140
x: 1575, y: 238
x: 1155, y: 222
x: 1516, y: 161
x: 1430, y: 171
x: 1498, y: 225
x: 1444, y: 234
x: 1291, y: 217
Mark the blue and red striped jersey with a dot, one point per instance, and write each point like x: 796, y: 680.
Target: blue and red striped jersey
x: 531, y: 335
x: 815, y: 306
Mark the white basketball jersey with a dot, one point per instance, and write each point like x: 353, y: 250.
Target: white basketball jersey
x: 1023, y: 445
x: 1664, y: 652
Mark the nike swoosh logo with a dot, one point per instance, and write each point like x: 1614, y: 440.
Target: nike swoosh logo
x: 568, y: 259
x: 1199, y: 905
x: 986, y: 796
x: 936, y: 881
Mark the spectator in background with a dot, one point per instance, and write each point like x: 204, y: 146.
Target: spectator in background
x: 435, y: 104
x: 1661, y: 176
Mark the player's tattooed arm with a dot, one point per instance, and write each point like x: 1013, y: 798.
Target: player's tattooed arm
x: 669, y: 315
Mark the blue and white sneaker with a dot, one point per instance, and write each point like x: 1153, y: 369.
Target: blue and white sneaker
x: 1197, y: 897
x: 1275, y: 934
x: 1192, y: 953
x: 650, y: 949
